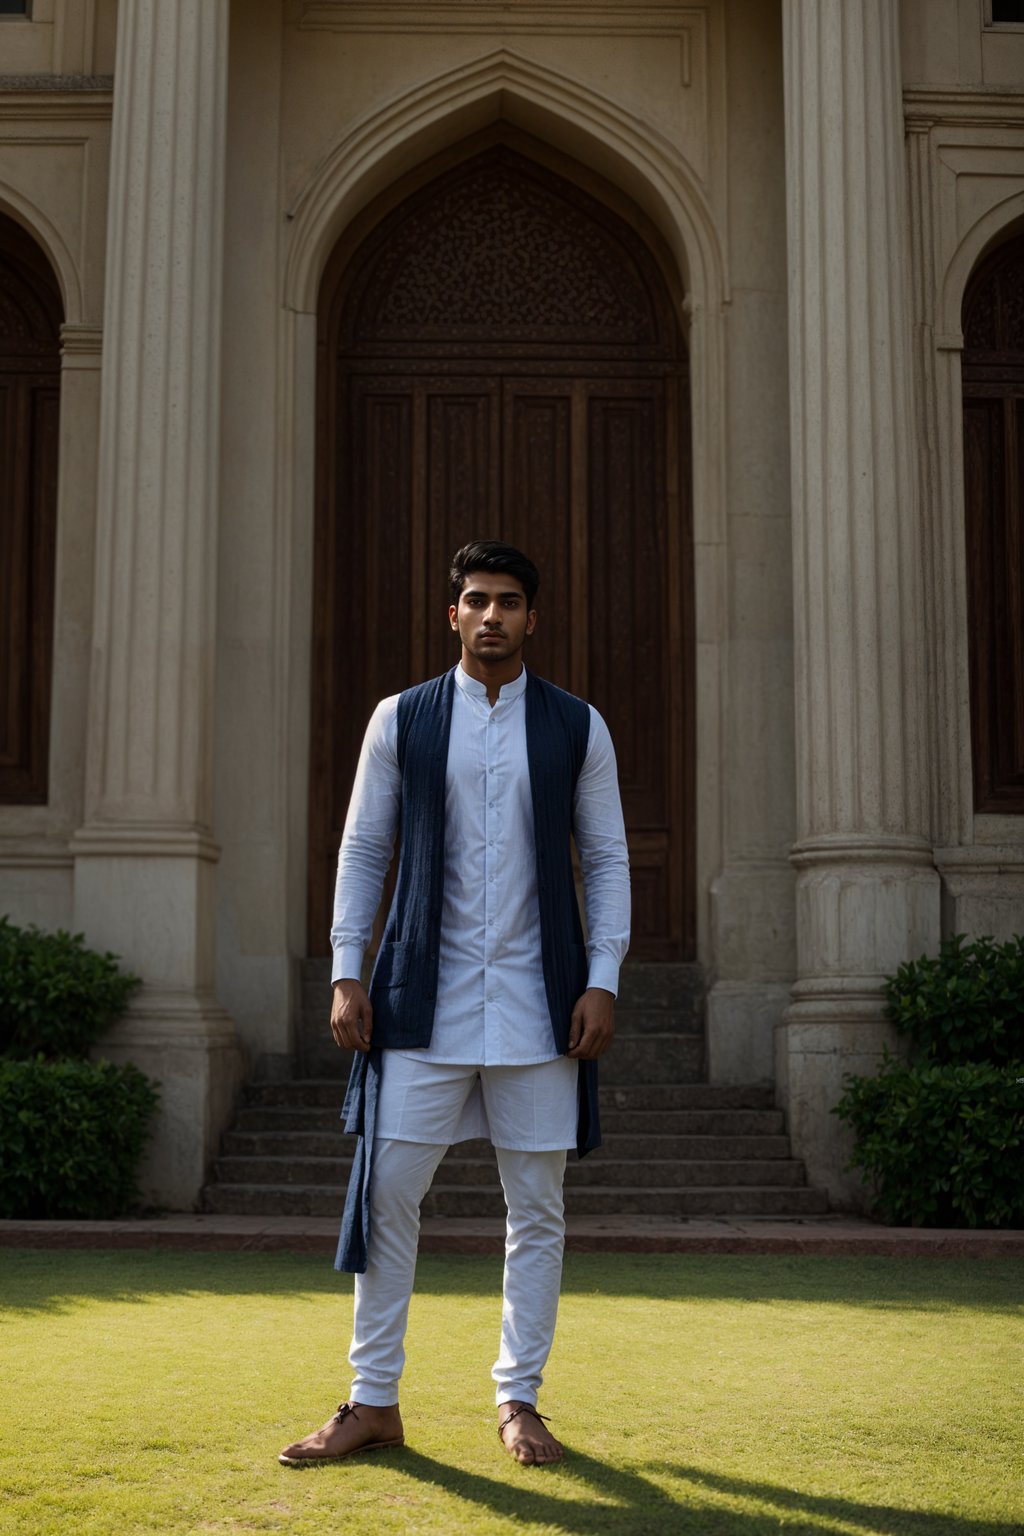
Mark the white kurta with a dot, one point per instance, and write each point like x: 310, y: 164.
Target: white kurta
x: 491, y: 1007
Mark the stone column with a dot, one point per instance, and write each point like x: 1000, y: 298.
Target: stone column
x: 867, y: 891
x: 145, y: 858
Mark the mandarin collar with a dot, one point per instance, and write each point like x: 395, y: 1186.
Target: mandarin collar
x: 478, y: 690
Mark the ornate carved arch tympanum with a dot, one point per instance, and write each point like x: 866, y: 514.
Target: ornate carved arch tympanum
x: 30, y: 320
x: 499, y: 357
x: 993, y: 396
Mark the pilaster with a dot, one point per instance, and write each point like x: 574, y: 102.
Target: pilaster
x: 867, y: 891
x: 145, y: 857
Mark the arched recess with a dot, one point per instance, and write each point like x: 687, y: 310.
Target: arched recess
x: 499, y: 353
x: 31, y: 313
x: 30, y: 321
x: 992, y: 365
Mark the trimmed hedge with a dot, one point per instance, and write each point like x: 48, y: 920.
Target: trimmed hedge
x: 940, y: 1135
x: 56, y: 997
x: 71, y: 1133
x: 966, y: 1005
x: 942, y: 1144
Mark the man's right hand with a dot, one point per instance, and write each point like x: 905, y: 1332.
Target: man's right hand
x: 351, y: 1016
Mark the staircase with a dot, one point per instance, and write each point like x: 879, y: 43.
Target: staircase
x: 674, y: 1146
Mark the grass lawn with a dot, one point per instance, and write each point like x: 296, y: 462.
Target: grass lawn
x: 741, y: 1395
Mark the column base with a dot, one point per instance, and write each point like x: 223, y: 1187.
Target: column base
x: 190, y: 1047
x: 864, y: 905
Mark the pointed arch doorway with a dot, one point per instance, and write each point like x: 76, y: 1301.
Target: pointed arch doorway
x: 499, y: 356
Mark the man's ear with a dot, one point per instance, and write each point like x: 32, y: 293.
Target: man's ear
x: 531, y: 621
x: 453, y: 618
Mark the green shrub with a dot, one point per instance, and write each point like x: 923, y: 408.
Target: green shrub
x: 56, y: 997
x: 942, y: 1144
x: 940, y: 1135
x: 71, y: 1133
x: 966, y: 1005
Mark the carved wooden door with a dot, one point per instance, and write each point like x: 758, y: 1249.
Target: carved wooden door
x: 499, y: 359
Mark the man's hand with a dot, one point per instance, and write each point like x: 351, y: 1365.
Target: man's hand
x: 593, y: 1024
x: 351, y: 1016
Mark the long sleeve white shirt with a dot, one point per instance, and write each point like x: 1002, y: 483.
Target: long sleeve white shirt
x: 491, y: 1007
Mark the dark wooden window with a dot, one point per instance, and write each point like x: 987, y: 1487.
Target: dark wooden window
x: 1007, y: 12
x: 30, y: 320
x: 993, y: 390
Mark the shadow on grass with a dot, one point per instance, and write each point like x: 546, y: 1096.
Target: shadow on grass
x: 626, y: 1502
x: 56, y: 1280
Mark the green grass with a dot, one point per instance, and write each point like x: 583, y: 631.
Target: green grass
x: 705, y: 1395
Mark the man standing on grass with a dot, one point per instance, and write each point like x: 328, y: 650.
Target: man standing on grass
x: 486, y: 1012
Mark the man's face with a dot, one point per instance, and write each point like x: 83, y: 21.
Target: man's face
x: 492, y: 619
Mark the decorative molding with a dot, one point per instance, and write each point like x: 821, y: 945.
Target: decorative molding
x: 62, y: 83
x: 333, y: 192
x: 81, y: 346
x: 852, y: 850
x: 41, y: 97
x: 35, y: 858
x: 671, y: 22
x: 992, y: 859
x: 126, y: 840
x: 924, y: 106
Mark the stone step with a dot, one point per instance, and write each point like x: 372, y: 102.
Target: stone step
x: 635, y: 1145
x: 325, y: 1120
x: 316, y: 1042
x: 642, y: 984
x: 447, y: 1200
x: 636, y: 1059
x: 591, y: 1171
x: 298, y: 1093
x: 692, y: 1122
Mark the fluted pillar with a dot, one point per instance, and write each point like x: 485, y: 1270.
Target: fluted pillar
x: 867, y: 891
x: 145, y: 858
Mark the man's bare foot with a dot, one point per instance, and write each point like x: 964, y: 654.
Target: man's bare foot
x: 524, y: 1435
x: 355, y: 1427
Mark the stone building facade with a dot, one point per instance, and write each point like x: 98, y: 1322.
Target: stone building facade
x: 673, y: 295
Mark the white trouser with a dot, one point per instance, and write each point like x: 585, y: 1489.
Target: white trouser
x: 535, y: 1233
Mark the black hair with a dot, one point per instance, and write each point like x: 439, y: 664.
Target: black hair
x: 500, y: 559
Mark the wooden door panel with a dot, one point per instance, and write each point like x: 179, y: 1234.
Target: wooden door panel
x: 462, y: 474
x: 537, y: 485
x: 635, y: 680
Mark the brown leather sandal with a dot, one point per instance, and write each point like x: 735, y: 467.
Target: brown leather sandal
x: 523, y: 1408
x: 507, y: 1420
x: 344, y: 1411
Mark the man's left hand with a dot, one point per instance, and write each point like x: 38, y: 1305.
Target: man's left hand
x: 593, y: 1025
